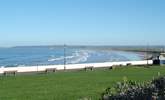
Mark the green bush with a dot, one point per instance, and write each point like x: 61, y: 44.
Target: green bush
x: 132, y: 90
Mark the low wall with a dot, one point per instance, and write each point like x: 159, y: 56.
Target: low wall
x: 74, y: 66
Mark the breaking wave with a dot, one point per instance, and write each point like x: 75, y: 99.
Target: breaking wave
x: 76, y: 57
x: 79, y: 56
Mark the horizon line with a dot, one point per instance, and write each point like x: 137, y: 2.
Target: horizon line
x: 61, y: 45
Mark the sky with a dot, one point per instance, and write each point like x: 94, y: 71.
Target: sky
x: 82, y: 22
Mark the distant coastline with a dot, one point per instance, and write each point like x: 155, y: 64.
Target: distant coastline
x: 54, y: 55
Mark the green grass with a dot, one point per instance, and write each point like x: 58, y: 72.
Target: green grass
x: 70, y: 85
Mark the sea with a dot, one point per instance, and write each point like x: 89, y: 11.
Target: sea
x: 55, y: 55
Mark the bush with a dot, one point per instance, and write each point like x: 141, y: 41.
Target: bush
x: 132, y: 90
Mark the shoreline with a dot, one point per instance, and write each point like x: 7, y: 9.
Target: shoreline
x: 22, y: 69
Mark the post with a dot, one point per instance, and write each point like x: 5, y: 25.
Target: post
x: 64, y: 57
x: 147, y: 50
x: 37, y: 67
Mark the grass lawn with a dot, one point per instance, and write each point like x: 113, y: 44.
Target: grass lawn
x: 70, y: 85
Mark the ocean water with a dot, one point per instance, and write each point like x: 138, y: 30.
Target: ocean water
x: 29, y: 56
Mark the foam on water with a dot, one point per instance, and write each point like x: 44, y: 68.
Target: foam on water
x: 30, y: 56
x: 79, y: 56
x: 76, y: 57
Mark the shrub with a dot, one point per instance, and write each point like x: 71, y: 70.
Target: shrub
x: 132, y: 90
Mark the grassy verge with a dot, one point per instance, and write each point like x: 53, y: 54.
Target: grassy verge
x: 70, y: 85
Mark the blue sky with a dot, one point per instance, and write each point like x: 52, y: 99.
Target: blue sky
x: 82, y: 22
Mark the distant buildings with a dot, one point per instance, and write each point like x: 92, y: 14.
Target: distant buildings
x: 160, y: 59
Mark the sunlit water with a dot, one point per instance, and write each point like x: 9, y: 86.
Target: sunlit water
x: 28, y: 56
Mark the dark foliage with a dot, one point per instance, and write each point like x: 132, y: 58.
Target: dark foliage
x: 131, y: 90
